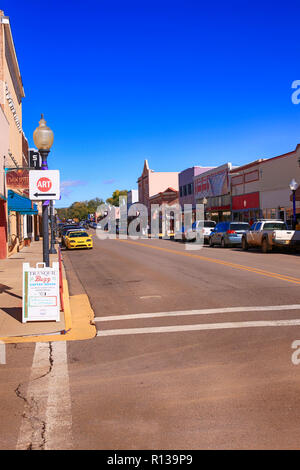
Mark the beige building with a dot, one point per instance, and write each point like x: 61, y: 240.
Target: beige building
x: 261, y: 188
x: 4, y: 146
x: 11, y: 95
x: 152, y: 182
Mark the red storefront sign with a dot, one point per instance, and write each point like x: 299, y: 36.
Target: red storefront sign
x: 17, y: 179
x: 245, y: 201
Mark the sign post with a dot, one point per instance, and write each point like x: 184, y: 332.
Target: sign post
x: 41, y: 299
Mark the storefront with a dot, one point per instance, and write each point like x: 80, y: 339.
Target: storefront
x: 20, y: 210
x: 246, y: 207
x: 212, y: 189
x: 3, y: 228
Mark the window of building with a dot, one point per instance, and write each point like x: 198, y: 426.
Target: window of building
x: 251, y: 176
x: 236, y: 180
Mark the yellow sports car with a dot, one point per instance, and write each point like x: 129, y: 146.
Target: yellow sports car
x: 78, y: 240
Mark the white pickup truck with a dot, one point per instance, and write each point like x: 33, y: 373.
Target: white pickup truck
x: 271, y: 233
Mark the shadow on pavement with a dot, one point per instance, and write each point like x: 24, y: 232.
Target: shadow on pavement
x: 5, y: 289
x: 14, y: 312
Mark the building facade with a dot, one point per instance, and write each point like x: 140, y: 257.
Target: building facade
x: 261, y: 188
x: 186, y: 185
x: 151, y: 183
x: 132, y: 197
x: 212, y: 188
x: 4, y: 146
x: 11, y: 95
x: 168, y: 197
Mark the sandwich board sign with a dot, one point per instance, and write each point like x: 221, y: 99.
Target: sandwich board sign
x: 44, y: 185
x: 41, y: 299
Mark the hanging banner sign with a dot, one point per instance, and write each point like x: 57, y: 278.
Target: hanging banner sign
x: 40, y: 293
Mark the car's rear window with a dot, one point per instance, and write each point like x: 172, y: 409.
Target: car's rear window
x: 274, y: 226
x: 208, y: 223
x: 239, y: 226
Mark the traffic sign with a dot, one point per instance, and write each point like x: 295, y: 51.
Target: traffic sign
x: 44, y: 185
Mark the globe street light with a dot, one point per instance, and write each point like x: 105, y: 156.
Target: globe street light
x: 293, y: 187
x: 43, y: 139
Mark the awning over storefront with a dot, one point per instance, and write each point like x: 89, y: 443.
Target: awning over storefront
x: 21, y: 204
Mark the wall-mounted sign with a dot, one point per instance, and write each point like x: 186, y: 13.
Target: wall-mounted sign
x: 35, y: 159
x: 17, y: 179
x: 41, y: 293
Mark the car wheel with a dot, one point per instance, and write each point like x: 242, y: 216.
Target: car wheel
x: 223, y: 243
x: 265, y: 248
x: 244, y: 244
x: 211, y: 243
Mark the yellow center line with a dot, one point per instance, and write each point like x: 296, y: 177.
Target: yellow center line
x: 262, y: 272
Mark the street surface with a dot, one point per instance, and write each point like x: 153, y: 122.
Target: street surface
x: 193, y: 351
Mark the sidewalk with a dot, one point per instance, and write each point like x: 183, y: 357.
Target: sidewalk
x: 75, y: 322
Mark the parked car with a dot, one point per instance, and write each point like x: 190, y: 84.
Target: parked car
x: 269, y: 233
x: 65, y: 232
x: 78, y: 239
x: 228, y: 233
x: 193, y: 233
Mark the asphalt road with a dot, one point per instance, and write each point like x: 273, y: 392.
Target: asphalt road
x: 193, y: 351
x: 138, y: 385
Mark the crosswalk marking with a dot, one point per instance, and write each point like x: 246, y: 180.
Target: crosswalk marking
x: 209, y: 311
x: 207, y: 326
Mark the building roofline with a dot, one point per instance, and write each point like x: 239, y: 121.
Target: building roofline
x: 263, y: 160
x: 6, y: 24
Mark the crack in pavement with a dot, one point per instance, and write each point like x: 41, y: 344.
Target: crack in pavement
x: 32, y: 434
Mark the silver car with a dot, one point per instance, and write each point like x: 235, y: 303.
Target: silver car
x: 228, y: 233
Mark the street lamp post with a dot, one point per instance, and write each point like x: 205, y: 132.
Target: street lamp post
x: 204, y: 202
x: 43, y: 139
x: 52, y: 230
x: 293, y: 188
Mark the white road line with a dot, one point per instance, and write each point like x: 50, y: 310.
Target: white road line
x: 32, y: 424
x: 58, y: 433
x: 198, y: 312
x: 208, y: 326
x: 150, y: 297
x: 46, y: 420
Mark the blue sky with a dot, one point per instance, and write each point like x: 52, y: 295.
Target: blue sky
x: 180, y: 83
